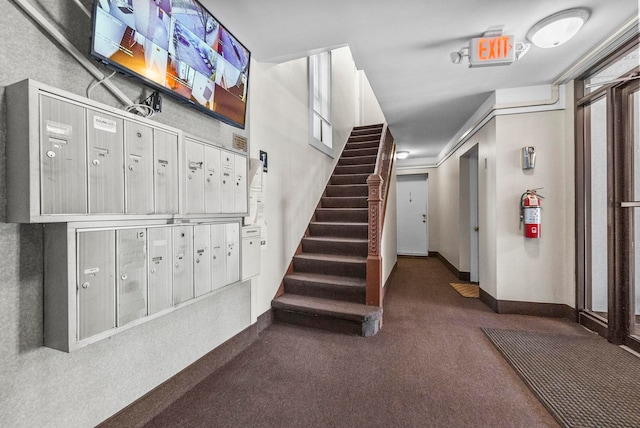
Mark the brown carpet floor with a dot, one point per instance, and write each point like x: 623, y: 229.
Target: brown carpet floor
x: 430, y: 366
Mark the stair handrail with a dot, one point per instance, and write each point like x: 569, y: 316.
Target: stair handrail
x: 377, y: 200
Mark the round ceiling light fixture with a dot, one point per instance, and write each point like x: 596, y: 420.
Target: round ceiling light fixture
x: 402, y: 155
x: 558, y: 28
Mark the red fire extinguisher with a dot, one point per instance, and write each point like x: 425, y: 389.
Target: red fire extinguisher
x: 530, y: 209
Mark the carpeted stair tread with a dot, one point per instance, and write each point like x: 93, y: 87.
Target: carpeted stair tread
x: 335, y: 258
x: 357, y: 160
x: 344, y: 202
x: 342, y: 214
x: 343, y: 281
x: 327, y: 307
x: 347, y: 190
x: 338, y: 239
x: 349, y: 178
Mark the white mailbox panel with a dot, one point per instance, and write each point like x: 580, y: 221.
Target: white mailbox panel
x: 166, y: 178
x: 105, y: 140
x: 232, y: 240
x: 240, y: 191
x: 96, y: 283
x: 212, y: 179
x: 250, y: 251
x: 160, y: 269
x: 227, y: 183
x: 138, y: 159
x: 63, y: 174
x: 131, y: 274
x: 194, y: 168
x: 218, y: 257
x: 182, y: 264
x: 202, y: 259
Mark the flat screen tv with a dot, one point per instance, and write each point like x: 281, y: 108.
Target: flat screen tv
x: 178, y: 47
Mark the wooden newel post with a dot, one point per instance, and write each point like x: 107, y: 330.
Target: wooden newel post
x: 374, y: 259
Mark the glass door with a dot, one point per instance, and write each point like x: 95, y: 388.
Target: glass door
x: 608, y: 198
x: 629, y: 114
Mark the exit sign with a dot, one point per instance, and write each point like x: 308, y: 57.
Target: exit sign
x: 489, y: 51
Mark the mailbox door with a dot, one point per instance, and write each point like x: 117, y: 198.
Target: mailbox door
x: 212, y: 179
x: 182, y: 263
x: 202, y: 259
x: 166, y: 179
x: 106, y: 168
x: 138, y: 158
x: 96, y: 282
x: 160, y: 269
x: 240, y: 192
x: 131, y: 274
x: 218, y: 257
x: 232, y: 239
x: 227, y: 184
x: 63, y: 172
x: 194, y: 168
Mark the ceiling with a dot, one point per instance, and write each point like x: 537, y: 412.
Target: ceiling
x: 404, y: 46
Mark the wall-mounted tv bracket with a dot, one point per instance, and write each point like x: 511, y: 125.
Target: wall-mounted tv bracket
x: 154, y: 101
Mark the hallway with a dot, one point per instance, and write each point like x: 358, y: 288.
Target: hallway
x: 430, y: 366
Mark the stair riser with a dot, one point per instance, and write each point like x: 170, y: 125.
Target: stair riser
x: 341, y: 248
x: 357, y: 215
x: 347, y: 190
x: 359, y: 153
x: 356, y: 270
x: 339, y: 230
x: 328, y: 202
x: 326, y: 323
x: 349, y: 179
x: 363, y: 160
x: 354, y: 169
x: 362, y: 145
x: 364, y: 136
x: 325, y: 291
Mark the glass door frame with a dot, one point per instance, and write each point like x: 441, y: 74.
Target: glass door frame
x: 616, y: 327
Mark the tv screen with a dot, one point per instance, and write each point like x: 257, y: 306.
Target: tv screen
x: 176, y: 46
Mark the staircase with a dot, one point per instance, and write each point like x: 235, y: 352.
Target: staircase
x: 326, y: 285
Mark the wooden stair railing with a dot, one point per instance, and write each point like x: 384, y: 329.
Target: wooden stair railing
x: 378, y: 191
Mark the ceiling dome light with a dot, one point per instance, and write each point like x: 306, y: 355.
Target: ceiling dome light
x: 402, y: 155
x: 558, y: 28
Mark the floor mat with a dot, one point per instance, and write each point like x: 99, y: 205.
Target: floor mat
x: 584, y: 381
x: 466, y: 290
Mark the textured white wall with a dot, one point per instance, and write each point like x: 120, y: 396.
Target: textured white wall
x: 534, y: 270
x: 43, y: 387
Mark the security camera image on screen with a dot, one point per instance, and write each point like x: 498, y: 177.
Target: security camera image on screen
x: 178, y: 46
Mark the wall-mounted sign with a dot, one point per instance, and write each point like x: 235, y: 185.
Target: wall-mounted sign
x: 240, y: 142
x: 490, y: 51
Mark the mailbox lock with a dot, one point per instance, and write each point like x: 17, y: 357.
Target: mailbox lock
x: 197, y: 260
x: 85, y: 285
x: 123, y: 277
x: 160, y: 172
x: 208, y: 179
x: 190, y: 176
x: 51, y: 154
x: 96, y: 162
x: 153, y: 270
x: 139, y: 134
x: 130, y: 167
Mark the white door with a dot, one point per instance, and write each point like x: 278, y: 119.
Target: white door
x: 412, y: 196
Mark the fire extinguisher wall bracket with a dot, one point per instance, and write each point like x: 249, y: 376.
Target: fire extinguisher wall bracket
x: 530, y: 213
